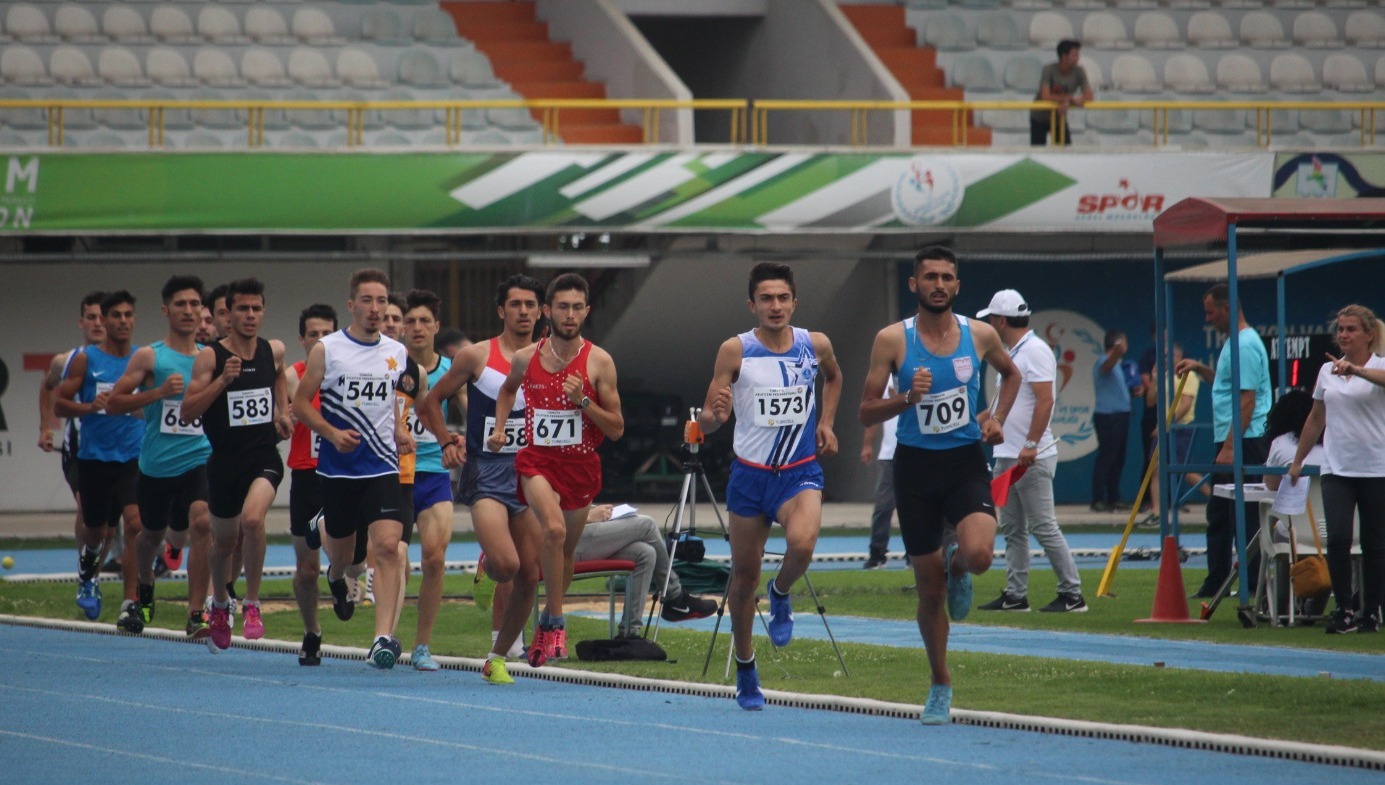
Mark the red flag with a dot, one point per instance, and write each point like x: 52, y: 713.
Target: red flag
x: 1001, y: 484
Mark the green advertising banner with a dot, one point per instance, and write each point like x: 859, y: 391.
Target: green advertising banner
x: 1329, y: 175
x: 652, y: 191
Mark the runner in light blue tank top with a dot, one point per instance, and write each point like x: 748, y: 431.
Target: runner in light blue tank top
x: 171, y: 447
x: 945, y: 416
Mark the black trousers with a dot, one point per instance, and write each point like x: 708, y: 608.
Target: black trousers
x: 1112, y: 438
x: 1221, y: 521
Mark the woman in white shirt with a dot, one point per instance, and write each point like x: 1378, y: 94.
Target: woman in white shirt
x: 1349, y: 412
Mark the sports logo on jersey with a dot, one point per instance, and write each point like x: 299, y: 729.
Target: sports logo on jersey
x: 961, y: 366
x: 406, y: 383
x: 392, y: 363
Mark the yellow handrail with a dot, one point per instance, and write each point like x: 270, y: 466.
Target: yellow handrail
x: 742, y: 113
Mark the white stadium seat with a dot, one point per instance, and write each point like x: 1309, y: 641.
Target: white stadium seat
x: 309, y: 67
x: 20, y: 65
x: 314, y: 26
x: 77, y: 24
x: 172, y: 25
x: 357, y: 68
x: 263, y: 68
x: 1104, y: 30
x: 1314, y: 30
x: 1047, y: 28
x: 1365, y: 29
x: 167, y: 67
x: 1211, y: 30
x: 1156, y: 30
x: 220, y: 26
x: 215, y: 68
x: 1238, y: 73
x: 1185, y: 73
x: 1263, y: 30
x: 267, y: 26
x: 1345, y: 73
x: 28, y: 24
x: 125, y: 25
x: 1134, y: 73
x: 119, y: 66
x: 71, y: 66
x: 1292, y: 73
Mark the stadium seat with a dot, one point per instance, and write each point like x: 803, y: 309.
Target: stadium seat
x: 1156, y: 30
x: 947, y: 33
x: 20, y: 65
x: 1365, y: 29
x: 220, y: 26
x: 1325, y: 121
x: 312, y: 119
x: 201, y: 140
x: 1047, y: 28
x: 1211, y: 30
x: 28, y: 24
x: 975, y: 74
x: 174, y: 119
x: 471, y: 68
x: 1238, y: 73
x: 418, y: 68
x: 390, y: 139
x: 263, y: 67
x: 384, y: 27
x: 216, y: 118
x: 435, y: 27
x: 1283, y: 121
x: 1262, y: 30
x: 119, y: 66
x: 1314, y: 30
x: 167, y: 67
x: 998, y: 30
x: 1220, y: 121
x: 120, y: 119
x: 273, y: 118
x: 1108, y: 121
x: 309, y: 67
x: 1134, y: 73
x: 35, y: 119
x: 314, y: 26
x: 297, y: 140
x: 267, y: 26
x: 1292, y: 73
x: 1022, y: 74
x: 172, y: 25
x: 77, y: 24
x: 124, y: 25
x: 407, y: 119
x: 1105, y: 30
x: 510, y: 119
x: 1185, y: 73
x: 1096, y: 77
x: 1345, y: 73
x: 1380, y: 72
x: 70, y: 66
x: 371, y: 119
x: 358, y: 68
x: 215, y: 68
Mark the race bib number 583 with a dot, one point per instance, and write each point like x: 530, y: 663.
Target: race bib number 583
x: 249, y: 407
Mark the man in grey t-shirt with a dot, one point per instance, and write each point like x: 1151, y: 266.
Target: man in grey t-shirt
x: 1064, y: 82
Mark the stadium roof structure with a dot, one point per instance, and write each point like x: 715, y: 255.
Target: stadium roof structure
x: 1204, y: 221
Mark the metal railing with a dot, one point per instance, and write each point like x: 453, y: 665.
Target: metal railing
x: 355, y: 113
x: 742, y: 113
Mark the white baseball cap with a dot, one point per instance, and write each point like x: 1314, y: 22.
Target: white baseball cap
x: 1006, y: 302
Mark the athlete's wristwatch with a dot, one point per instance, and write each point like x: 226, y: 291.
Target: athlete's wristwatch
x: 1031, y: 445
x: 584, y: 403
x: 909, y: 397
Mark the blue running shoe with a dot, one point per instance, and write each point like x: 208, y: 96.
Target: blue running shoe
x: 423, y: 659
x: 958, y: 587
x: 89, y: 598
x: 938, y: 709
x: 780, y: 616
x: 748, y: 694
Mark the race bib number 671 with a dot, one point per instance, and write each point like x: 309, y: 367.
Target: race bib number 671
x: 557, y: 427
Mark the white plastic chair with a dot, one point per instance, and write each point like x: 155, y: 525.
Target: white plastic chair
x: 1292, y: 73
x: 215, y: 68
x: 947, y: 33
x: 998, y: 30
x: 1156, y: 30
x: 263, y: 68
x: 267, y: 26
x: 418, y: 68
x: 1365, y: 29
x: 1262, y: 30
x: 1047, y: 28
x: 220, y: 26
x: 1345, y: 73
x: 1105, y: 30
x: 77, y: 24
x: 20, y: 65
x: 309, y: 67
x: 974, y: 74
x: 1380, y: 72
x: 1238, y: 73
x: 1210, y: 30
x: 124, y: 25
x: 27, y: 23
x: 1314, y: 30
x: 357, y: 68
x: 472, y: 68
x: 1022, y: 74
x: 1134, y: 73
x: 384, y: 27
x: 171, y: 24
x: 119, y: 66
x: 314, y: 26
x: 435, y: 27
x: 311, y: 119
x: 167, y: 67
x: 1185, y: 73
x: 71, y: 66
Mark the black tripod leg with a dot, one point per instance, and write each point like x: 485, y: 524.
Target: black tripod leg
x: 822, y: 614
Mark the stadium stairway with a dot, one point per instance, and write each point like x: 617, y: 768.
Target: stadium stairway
x: 520, y: 50
x: 915, y: 67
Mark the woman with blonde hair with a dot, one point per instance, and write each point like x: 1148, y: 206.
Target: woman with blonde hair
x: 1349, y: 412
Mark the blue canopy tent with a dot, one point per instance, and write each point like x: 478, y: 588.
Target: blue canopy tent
x: 1211, y: 222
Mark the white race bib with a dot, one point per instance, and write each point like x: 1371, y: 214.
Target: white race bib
x: 780, y: 406
x: 515, y: 438
x: 421, y: 434
x: 557, y: 427
x: 314, y: 442
x: 249, y: 407
x: 103, y: 387
x: 944, y: 412
x: 366, y: 390
x: 169, y: 422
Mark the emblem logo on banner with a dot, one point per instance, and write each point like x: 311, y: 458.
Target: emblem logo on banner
x: 1316, y: 179
x: 928, y: 192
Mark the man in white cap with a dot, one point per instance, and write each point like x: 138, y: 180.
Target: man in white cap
x: 1029, y: 443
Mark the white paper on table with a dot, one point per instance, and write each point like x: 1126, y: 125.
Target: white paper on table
x: 1292, y: 498
x: 622, y: 511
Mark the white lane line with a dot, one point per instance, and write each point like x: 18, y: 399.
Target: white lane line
x: 179, y: 763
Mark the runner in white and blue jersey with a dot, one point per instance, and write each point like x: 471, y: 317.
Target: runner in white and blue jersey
x: 942, y: 482
x: 107, y: 457
x: 173, y: 459
x: 768, y: 377
x: 357, y: 371
x: 506, y: 529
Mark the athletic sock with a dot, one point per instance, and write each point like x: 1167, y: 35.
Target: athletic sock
x: 494, y: 656
x: 545, y: 620
x: 556, y: 622
x: 146, y: 594
x: 774, y: 587
x: 745, y: 665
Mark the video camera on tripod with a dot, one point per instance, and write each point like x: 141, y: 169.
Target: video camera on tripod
x: 686, y: 545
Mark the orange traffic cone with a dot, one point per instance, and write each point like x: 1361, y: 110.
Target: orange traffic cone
x: 1170, y: 606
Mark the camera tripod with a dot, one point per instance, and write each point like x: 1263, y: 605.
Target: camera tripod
x: 693, y: 475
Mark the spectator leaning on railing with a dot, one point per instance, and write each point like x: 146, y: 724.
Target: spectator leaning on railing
x: 1064, y: 82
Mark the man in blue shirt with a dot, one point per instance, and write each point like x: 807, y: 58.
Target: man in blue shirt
x: 1112, y: 378
x: 1254, y: 400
